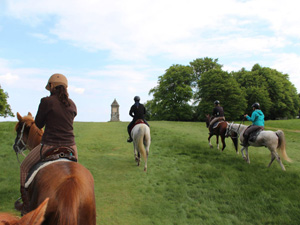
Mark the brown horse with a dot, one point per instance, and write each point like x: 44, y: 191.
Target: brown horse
x: 220, y: 130
x: 68, y: 185
x: 35, y: 217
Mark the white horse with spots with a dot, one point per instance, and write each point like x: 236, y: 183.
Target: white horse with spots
x: 141, y: 142
x: 270, y: 139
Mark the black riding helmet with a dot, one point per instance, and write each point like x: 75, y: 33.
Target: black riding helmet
x: 217, y: 102
x: 256, y: 105
x: 136, y: 99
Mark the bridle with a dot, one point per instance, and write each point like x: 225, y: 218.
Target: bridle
x: 19, y: 150
x: 228, y: 129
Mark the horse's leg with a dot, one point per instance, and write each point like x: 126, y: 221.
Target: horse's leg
x: 247, y: 155
x: 135, y: 152
x: 209, y: 142
x: 138, y: 159
x: 223, y: 142
x: 272, y: 159
x: 218, y: 142
x: 242, y: 151
x: 275, y: 155
x: 145, y: 168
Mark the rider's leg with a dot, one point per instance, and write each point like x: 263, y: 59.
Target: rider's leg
x: 129, y: 131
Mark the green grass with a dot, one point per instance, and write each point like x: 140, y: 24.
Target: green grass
x: 186, y: 183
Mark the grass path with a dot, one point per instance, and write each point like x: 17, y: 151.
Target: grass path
x: 186, y: 183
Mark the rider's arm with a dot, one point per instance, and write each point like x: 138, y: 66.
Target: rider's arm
x: 253, y: 116
x: 40, y: 119
x: 131, y: 112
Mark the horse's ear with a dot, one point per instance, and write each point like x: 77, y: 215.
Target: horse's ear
x: 29, y: 114
x: 36, y: 216
x: 19, y: 116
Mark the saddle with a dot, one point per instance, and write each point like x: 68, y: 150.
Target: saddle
x: 50, y: 156
x: 139, y: 121
x: 215, y: 125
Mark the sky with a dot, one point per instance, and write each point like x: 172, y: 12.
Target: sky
x: 118, y: 49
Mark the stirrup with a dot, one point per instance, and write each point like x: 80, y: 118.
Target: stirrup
x: 129, y: 140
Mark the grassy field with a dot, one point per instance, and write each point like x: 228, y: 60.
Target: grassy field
x: 186, y: 183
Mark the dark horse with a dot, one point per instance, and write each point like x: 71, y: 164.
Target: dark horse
x: 68, y: 185
x: 220, y: 130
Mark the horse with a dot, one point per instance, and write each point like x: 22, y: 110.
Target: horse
x: 220, y: 130
x: 35, y: 217
x: 68, y: 185
x: 140, y: 134
x: 271, y: 139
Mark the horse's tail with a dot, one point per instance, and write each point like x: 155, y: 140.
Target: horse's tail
x: 69, y: 200
x: 281, y: 145
x: 141, y: 146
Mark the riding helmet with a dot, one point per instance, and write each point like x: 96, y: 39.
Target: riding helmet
x: 56, y: 80
x: 217, y: 102
x: 256, y: 105
x: 136, y: 99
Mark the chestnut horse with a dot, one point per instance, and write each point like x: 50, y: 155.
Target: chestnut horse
x: 220, y: 130
x: 68, y: 185
x: 35, y: 217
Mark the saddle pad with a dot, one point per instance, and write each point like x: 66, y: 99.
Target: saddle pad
x: 254, y: 135
x: 34, y: 173
x: 216, y: 124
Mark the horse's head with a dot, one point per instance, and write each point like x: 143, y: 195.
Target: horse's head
x: 229, y: 129
x: 34, y: 217
x: 25, y: 133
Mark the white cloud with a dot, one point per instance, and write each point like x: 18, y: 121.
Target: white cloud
x: 135, y: 29
x: 289, y: 64
x: 9, y: 78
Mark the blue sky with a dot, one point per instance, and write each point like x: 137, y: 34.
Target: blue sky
x: 117, y: 49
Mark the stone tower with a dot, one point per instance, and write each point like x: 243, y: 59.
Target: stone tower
x: 115, y: 111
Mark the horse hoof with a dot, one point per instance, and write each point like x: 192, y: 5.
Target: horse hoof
x: 211, y: 146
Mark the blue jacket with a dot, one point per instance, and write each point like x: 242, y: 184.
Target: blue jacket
x: 257, y: 118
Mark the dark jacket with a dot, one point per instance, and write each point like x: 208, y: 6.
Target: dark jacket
x: 58, y: 120
x: 137, y: 111
x: 218, y: 111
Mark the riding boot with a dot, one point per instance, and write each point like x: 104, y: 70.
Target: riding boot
x: 129, y: 139
x: 23, y: 207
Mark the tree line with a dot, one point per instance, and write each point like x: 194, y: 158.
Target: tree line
x: 187, y: 92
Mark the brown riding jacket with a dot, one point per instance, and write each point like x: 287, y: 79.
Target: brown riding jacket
x: 58, y: 121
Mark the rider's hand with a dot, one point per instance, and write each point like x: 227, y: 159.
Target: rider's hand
x: 245, y: 115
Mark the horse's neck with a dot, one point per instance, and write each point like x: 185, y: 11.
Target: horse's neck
x: 34, y: 136
x: 239, y: 128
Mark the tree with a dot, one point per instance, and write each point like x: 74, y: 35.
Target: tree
x: 272, y: 89
x: 255, y: 88
x: 172, y: 95
x: 217, y: 84
x: 5, y: 109
x: 203, y: 65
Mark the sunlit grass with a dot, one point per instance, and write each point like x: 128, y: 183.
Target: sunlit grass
x: 186, y: 183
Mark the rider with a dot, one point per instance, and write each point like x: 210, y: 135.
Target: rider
x: 137, y: 111
x: 56, y: 113
x: 258, y: 122
x: 217, y: 115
